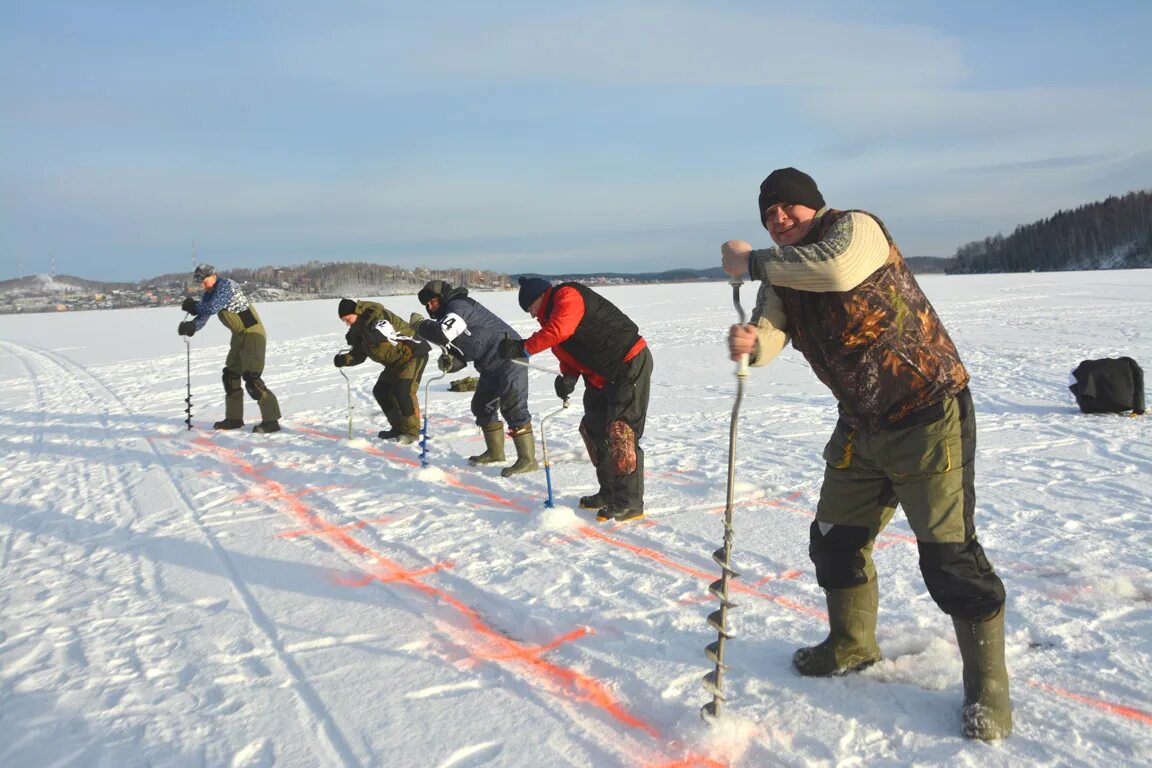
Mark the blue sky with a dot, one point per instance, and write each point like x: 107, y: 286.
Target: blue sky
x: 526, y: 136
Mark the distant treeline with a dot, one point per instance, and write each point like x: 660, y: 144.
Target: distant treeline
x: 1113, y: 234
x: 352, y: 278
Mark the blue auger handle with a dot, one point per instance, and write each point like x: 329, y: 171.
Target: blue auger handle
x: 547, y: 462
x: 424, y: 429
x: 548, y: 479
x: 424, y: 442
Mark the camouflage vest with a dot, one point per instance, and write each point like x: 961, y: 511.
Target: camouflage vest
x: 879, y: 347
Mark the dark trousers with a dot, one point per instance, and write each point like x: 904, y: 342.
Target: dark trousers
x: 613, y: 424
x: 504, y: 391
x: 397, y: 391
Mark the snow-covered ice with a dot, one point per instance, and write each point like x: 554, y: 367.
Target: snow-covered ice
x: 175, y: 598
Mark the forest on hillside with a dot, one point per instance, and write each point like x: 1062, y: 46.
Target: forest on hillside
x: 1113, y: 234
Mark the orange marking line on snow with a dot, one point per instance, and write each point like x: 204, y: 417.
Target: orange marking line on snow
x: 735, y: 586
x: 489, y: 644
x: 448, y: 478
x: 263, y: 494
x: 691, y: 761
x: 318, y: 433
x: 781, y: 502
x: 568, y: 682
x: 1117, y: 709
x: 391, y: 577
x: 786, y: 576
x: 369, y: 448
x: 486, y: 494
x: 350, y: 527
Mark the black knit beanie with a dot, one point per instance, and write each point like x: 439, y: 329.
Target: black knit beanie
x: 788, y: 185
x: 532, y: 288
x: 347, y: 307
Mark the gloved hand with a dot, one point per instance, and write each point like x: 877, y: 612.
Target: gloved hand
x: 188, y: 305
x: 511, y: 349
x: 186, y: 328
x: 340, y: 360
x: 565, y: 385
x: 352, y: 337
x: 446, y: 363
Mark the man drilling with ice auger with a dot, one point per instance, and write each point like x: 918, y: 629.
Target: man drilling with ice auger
x: 838, y: 288
x: 245, y: 362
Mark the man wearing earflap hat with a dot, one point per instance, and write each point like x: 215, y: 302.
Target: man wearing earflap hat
x: 469, y: 333
x: 245, y: 363
x: 593, y: 339
x: 375, y: 332
x: 837, y: 286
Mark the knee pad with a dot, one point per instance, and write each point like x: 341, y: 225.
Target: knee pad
x: 590, y: 445
x: 255, y: 386
x: 622, y: 447
x: 837, y: 555
x: 960, y: 579
x: 231, y: 381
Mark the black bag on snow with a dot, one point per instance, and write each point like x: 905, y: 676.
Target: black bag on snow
x: 1108, y: 385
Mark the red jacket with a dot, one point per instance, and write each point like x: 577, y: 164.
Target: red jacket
x: 558, y: 325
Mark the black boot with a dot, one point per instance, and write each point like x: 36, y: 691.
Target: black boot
x: 619, y: 513
x: 267, y: 427
x: 599, y: 500
x: 228, y: 424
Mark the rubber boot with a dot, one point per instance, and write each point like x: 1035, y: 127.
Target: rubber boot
x: 851, y: 643
x: 494, y: 441
x: 525, y: 444
x: 987, y: 713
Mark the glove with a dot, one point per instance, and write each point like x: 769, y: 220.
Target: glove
x: 352, y: 337
x: 340, y: 360
x: 446, y: 363
x: 186, y: 328
x: 189, y: 305
x: 511, y: 349
x: 565, y: 385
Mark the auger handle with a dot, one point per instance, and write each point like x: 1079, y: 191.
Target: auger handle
x: 742, y: 364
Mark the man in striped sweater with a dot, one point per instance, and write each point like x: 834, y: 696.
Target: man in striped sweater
x: 837, y: 287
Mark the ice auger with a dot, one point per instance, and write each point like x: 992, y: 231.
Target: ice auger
x: 718, y: 619
x: 188, y: 399
x: 424, y: 429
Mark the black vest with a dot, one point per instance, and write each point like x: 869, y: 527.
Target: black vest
x: 604, y: 336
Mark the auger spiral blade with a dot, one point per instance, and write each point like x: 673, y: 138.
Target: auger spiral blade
x: 715, y: 653
x: 719, y: 589
x: 716, y: 621
x: 713, y: 684
x: 724, y: 561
